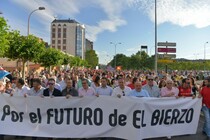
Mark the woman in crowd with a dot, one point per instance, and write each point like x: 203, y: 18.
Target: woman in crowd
x: 162, y: 83
x: 193, y: 86
x: 96, y: 82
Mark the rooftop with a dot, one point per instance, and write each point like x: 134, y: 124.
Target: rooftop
x: 64, y: 21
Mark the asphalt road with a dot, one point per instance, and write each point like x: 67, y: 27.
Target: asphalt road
x: 198, y: 136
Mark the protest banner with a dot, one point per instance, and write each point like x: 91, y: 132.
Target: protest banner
x: 128, y: 117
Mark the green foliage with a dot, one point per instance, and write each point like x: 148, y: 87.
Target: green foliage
x: 51, y: 57
x: 66, y: 59
x: 91, y: 58
x: 24, y: 48
x: 3, y: 36
x: 140, y: 60
x: 78, y: 62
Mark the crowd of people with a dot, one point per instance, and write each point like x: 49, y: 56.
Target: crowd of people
x: 91, y: 82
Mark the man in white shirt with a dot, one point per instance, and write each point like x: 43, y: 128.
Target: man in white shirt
x: 121, y: 90
x: 21, y: 89
x: 85, y: 90
x: 104, y: 89
x: 37, y: 89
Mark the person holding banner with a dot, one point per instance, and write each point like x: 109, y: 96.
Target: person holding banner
x: 138, y: 91
x: 37, y: 89
x: 85, y: 90
x: 169, y: 90
x: 151, y: 87
x: 185, y: 89
x: 205, y: 93
x: 51, y: 90
x: 69, y: 91
x: 21, y: 89
x: 121, y: 90
x: 104, y: 89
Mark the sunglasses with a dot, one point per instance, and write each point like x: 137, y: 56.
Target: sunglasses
x: 123, y: 93
x: 51, y: 83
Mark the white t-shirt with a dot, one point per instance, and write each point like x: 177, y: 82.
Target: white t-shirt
x: 124, y: 92
x: 21, y: 92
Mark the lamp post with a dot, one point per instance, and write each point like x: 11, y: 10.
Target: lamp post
x: 156, y: 36
x: 115, y: 45
x: 204, y: 54
x: 28, y: 30
x: 205, y: 50
x: 40, y: 8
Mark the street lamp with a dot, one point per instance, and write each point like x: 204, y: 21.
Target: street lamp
x: 156, y: 36
x: 115, y: 45
x: 40, y: 8
x: 205, y: 54
x: 205, y: 50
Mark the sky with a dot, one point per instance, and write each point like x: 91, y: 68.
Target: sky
x: 129, y: 22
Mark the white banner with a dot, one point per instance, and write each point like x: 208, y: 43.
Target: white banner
x: 129, y: 118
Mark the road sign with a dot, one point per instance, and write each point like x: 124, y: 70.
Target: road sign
x: 167, y: 50
x: 166, y: 55
x: 166, y: 44
x: 165, y: 61
x: 143, y: 47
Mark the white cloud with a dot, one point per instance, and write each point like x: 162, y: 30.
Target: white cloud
x: 66, y: 8
x: 110, y: 25
x: 179, y: 12
x: 132, y: 50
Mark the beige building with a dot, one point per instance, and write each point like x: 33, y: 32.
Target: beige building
x: 69, y: 37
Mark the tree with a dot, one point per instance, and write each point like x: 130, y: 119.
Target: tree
x: 51, y: 57
x: 3, y: 36
x: 121, y: 60
x: 66, y: 59
x: 24, y: 48
x: 91, y: 58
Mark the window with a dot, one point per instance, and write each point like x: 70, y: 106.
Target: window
x: 59, y: 31
x: 64, y: 32
x: 64, y: 47
x: 53, y: 46
x: 59, y: 47
x: 64, y: 41
x: 59, y: 41
x: 59, y: 35
x: 53, y: 41
x: 64, y: 35
x: 53, y: 30
x: 53, y: 35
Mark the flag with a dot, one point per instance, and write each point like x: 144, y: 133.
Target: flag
x: 3, y: 73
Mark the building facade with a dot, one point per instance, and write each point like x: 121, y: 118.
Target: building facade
x: 69, y: 37
x: 89, y: 45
